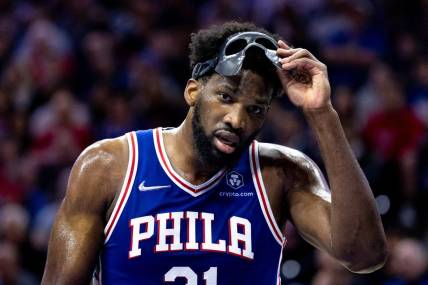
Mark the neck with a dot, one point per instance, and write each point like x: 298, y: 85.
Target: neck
x: 184, y: 157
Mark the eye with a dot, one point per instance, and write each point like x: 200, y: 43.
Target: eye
x: 225, y: 97
x: 256, y: 110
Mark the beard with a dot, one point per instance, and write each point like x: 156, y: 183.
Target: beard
x: 206, y: 150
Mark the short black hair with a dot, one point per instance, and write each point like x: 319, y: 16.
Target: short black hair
x: 206, y: 44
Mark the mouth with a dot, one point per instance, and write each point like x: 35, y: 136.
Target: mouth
x: 225, y: 141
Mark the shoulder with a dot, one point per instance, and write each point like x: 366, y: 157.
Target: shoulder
x: 99, y: 170
x: 299, y: 171
x: 103, y: 155
x: 283, y: 156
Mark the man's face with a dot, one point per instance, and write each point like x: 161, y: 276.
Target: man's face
x: 227, y: 116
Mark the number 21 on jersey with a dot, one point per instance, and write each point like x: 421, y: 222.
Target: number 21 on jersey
x: 210, y: 276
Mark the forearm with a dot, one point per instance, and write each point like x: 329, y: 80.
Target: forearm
x: 357, y: 236
x: 73, y: 249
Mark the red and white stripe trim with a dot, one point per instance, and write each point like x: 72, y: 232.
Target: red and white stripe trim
x: 194, y: 190
x: 261, y: 194
x: 279, y: 262
x: 128, y: 182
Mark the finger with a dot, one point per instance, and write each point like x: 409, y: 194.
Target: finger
x: 312, y: 66
x: 283, y: 45
x: 293, y: 54
x: 283, y: 53
x: 300, y: 53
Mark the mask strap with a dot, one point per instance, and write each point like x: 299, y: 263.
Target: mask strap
x: 202, y: 68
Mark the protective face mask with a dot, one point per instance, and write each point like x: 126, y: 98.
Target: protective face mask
x: 234, y: 51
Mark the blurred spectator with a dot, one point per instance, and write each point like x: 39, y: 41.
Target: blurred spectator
x: 60, y: 129
x: 45, y: 55
x: 11, y: 189
x: 43, y: 221
x: 16, y: 85
x: 330, y: 271
x: 154, y: 95
x: 11, y: 273
x: 7, y: 37
x: 351, y: 41
x: 99, y: 61
x: 4, y: 110
x: 290, y: 25
x: 408, y: 263
x: 394, y: 131
x: 344, y: 101
x: 404, y: 53
x: 367, y: 99
x: 287, y: 128
x: 14, y: 221
x: 393, y: 134
x: 298, y: 264
x: 119, y: 119
x: 418, y: 90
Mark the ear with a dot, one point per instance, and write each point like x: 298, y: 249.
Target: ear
x: 191, y: 92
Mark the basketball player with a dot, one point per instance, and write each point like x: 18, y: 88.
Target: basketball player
x: 204, y: 203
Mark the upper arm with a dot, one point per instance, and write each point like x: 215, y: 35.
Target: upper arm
x: 311, y: 216
x: 309, y: 201
x: 78, y: 232
x: 307, y: 197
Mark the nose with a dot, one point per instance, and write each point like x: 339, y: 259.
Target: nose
x: 235, y: 117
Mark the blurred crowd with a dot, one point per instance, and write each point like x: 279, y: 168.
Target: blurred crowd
x: 76, y: 71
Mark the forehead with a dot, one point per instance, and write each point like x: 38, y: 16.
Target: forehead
x: 246, y: 83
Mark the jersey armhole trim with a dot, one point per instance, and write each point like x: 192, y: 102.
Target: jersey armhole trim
x: 278, y: 273
x: 262, y: 196
x: 128, y: 182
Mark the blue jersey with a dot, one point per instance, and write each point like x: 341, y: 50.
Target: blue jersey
x: 165, y: 230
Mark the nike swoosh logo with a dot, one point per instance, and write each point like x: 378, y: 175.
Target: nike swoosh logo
x: 142, y: 187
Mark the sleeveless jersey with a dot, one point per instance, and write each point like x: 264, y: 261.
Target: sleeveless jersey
x: 165, y: 230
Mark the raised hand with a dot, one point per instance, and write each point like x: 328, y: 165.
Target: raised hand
x: 304, y: 78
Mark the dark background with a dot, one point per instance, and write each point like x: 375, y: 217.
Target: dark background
x: 76, y: 71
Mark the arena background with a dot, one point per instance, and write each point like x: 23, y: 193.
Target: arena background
x: 76, y: 71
